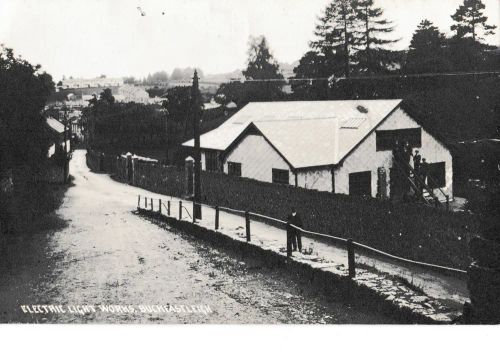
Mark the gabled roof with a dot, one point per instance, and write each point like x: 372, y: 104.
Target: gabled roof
x: 306, y: 133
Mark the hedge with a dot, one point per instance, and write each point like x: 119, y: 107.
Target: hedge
x: 410, y: 230
x: 413, y: 231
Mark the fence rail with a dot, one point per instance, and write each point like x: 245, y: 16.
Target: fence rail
x: 351, y: 245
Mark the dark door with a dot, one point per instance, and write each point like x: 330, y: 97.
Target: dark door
x: 360, y: 183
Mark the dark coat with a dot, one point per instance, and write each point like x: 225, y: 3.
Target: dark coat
x: 417, y: 161
x: 296, y: 221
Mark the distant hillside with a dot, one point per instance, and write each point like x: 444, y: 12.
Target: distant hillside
x: 185, y: 74
x: 224, y: 77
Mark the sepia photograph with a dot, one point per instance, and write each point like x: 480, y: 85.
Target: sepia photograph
x: 264, y: 162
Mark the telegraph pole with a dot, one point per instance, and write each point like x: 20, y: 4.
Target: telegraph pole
x: 165, y: 111
x: 195, y: 106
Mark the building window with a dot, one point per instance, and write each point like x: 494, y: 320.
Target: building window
x: 234, y: 168
x: 386, y: 139
x: 281, y: 176
x: 211, y: 161
x: 436, y: 177
x: 360, y: 184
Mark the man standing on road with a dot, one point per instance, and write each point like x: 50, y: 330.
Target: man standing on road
x: 293, y: 235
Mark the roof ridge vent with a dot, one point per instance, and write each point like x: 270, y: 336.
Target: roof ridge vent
x: 362, y: 109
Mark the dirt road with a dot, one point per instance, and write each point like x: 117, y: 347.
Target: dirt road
x: 102, y: 254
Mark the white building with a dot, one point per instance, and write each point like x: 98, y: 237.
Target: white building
x: 58, y: 134
x: 336, y: 146
x: 91, y: 83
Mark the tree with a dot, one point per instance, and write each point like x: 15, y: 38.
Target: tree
x: 467, y: 52
x: 160, y: 77
x: 107, y: 96
x: 262, y: 67
x: 261, y: 63
x: 427, y: 52
x: 470, y: 20
x: 129, y: 80
x: 185, y: 74
x: 156, y: 91
x: 177, y: 103
x: 336, y: 34
x: 177, y: 74
x: 24, y: 90
x: 372, y: 55
x: 123, y: 125
x: 312, y: 65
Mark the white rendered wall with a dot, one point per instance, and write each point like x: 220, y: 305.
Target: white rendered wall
x: 257, y: 158
x: 317, y: 179
x: 366, y: 158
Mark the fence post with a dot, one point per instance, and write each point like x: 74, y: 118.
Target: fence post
x: 247, y: 224
x: 168, y: 208
x: 216, y: 217
x: 145, y: 203
x: 447, y: 202
x: 151, y: 204
x: 350, y: 259
x: 159, y: 206
x: 194, y: 210
x: 180, y: 210
x: 138, y: 201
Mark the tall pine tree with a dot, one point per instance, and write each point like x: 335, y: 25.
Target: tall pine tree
x: 372, y: 28
x: 467, y: 50
x: 427, y: 51
x: 336, y: 35
x: 261, y: 63
x: 470, y: 20
x: 261, y: 66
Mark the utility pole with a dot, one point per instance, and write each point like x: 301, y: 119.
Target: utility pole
x: 195, y: 106
x: 65, y: 154
x: 165, y: 111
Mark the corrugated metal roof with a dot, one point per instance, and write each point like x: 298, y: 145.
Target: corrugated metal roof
x: 307, y: 133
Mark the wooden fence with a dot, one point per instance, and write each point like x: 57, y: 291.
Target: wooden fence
x: 409, y: 230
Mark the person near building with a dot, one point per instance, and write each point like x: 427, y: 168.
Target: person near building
x: 293, y: 235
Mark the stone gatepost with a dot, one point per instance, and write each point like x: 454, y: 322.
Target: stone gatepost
x: 129, y: 168
x: 484, y: 272
x: 189, y: 176
x: 134, y: 169
x: 101, y: 162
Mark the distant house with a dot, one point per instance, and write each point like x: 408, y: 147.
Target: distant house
x: 211, y: 105
x: 336, y: 146
x: 57, y: 133
x: 90, y: 83
x: 131, y: 93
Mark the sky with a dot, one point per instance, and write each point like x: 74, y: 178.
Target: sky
x: 87, y: 38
